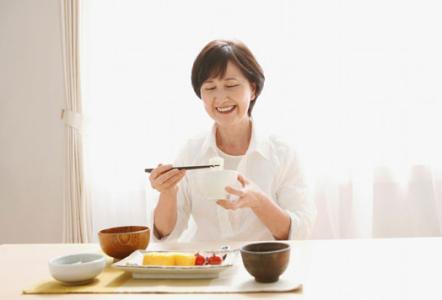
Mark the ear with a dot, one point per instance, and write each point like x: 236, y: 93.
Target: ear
x: 253, y: 87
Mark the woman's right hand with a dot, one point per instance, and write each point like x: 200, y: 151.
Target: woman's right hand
x: 164, y: 178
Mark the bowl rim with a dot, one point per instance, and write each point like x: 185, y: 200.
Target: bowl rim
x: 242, y: 249
x: 102, y: 231
x: 99, y: 259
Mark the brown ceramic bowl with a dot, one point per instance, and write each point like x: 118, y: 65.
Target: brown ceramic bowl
x: 266, y: 261
x: 119, y: 242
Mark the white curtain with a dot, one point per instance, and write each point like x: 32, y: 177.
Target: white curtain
x: 77, y: 218
x: 354, y: 86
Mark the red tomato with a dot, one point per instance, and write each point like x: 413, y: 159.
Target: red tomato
x: 214, y: 260
x: 199, y: 260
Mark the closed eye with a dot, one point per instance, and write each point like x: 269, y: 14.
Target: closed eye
x: 210, y: 88
x: 232, y: 86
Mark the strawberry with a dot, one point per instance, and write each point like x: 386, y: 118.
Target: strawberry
x: 214, y: 260
x: 199, y: 259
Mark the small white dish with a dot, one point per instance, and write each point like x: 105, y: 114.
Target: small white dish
x: 77, y: 268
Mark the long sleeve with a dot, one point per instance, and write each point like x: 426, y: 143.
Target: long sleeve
x: 183, y: 205
x: 292, y: 196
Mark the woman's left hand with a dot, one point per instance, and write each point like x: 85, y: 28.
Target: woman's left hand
x: 249, y: 196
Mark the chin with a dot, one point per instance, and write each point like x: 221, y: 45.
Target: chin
x: 228, y: 122
x: 224, y: 123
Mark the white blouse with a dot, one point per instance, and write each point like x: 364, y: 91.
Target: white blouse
x: 271, y: 164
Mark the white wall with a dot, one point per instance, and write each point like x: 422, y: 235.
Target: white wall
x: 351, y: 84
x: 31, y: 132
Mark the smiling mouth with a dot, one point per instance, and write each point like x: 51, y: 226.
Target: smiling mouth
x: 226, y: 109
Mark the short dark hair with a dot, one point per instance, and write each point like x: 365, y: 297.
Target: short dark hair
x: 212, y: 62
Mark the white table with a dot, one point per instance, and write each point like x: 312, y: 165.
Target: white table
x: 408, y: 268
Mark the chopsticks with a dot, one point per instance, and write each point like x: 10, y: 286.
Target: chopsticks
x: 186, y: 168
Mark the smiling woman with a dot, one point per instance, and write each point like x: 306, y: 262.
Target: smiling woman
x: 218, y: 94
x: 218, y: 57
x: 269, y: 205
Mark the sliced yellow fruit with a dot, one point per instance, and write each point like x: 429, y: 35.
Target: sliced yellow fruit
x: 158, y: 259
x: 184, y: 259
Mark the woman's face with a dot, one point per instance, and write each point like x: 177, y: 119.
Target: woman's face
x: 227, y: 99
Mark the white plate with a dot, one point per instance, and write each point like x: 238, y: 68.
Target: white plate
x: 134, y: 264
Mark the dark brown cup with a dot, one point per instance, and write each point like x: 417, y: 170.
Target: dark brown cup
x: 120, y: 242
x: 266, y: 261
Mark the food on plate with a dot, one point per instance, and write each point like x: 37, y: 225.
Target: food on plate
x: 184, y: 259
x: 214, y: 260
x: 180, y: 259
x: 159, y: 259
x: 208, y: 260
x: 199, y: 259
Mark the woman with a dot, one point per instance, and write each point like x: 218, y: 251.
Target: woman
x: 271, y: 203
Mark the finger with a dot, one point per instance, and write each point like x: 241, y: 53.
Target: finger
x: 152, y: 176
x: 159, y: 170
x: 177, y: 176
x: 226, y: 204
x: 173, y: 181
x: 167, y: 175
x: 233, y: 205
x: 234, y: 191
x: 155, y: 171
x: 242, y: 180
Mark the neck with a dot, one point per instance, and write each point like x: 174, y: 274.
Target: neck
x: 234, y: 139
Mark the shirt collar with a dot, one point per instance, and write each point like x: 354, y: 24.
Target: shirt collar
x: 258, y: 143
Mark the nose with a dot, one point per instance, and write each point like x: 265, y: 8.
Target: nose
x: 220, y: 95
